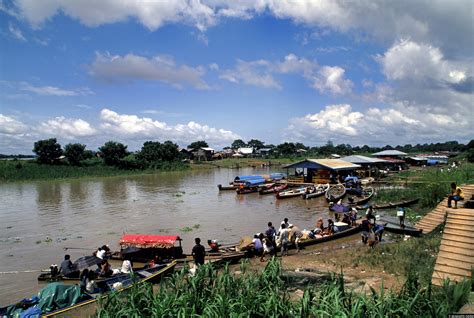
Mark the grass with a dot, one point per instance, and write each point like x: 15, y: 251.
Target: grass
x: 26, y: 170
x: 210, y: 293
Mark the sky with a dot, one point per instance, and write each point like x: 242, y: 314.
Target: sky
x: 352, y: 72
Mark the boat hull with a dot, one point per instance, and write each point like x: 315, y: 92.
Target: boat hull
x: 348, y: 232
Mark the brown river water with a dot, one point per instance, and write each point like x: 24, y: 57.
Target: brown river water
x: 40, y: 219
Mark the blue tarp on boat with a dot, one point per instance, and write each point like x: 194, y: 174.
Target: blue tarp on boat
x: 277, y: 176
x: 254, y: 182
x: 243, y: 178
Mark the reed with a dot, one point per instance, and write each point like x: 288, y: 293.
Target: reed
x: 248, y: 294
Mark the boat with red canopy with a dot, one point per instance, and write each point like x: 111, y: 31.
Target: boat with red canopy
x: 147, y: 246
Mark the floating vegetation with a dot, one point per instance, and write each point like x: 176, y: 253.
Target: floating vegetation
x: 164, y: 230
x: 196, y: 226
x: 186, y: 229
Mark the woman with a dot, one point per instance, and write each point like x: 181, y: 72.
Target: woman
x: 91, y: 285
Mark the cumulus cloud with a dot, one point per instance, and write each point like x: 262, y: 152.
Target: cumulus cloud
x: 331, y: 79
x: 66, y: 128
x: 11, y: 126
x: 255, y: 73
x: 396, y: 124
x: 132, y: 126
x: 135, y: 67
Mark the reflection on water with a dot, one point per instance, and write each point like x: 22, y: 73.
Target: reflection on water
x: 39, y: 219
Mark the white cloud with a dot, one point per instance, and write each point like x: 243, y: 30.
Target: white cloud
x: 331, y: 79
x: 134, y: 67
x: 16, y: 33
x: 255, y: 73
x: 132, y: 126
x: 11, y: 126
x: 54, y: 91
x: 66, y: 128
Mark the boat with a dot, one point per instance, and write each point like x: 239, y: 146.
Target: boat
x: 335, y: 193
x: 84, y: 302
x: 226, y: 188
x: 406, y: 230
x: 143, y: 247
x: 365, y: 196
x: 348, y: 232
x: 274, y: 189
x: 391, y: 205
x: 366, y: 181
x: 246, y: 190
x: 316, y: 191
x: 291, y: 193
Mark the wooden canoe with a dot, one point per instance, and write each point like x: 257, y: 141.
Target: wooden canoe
x: 318, y: 191
x: 274, y: 189
x: 391, y: 205
x: 291, y: 193
x: 407, y: 230
x: 367, y: 194
x: 246, y: 190
x: 151, y: 275
x: 335, y: 193
x: 226, y: 188
x: 348, y: 232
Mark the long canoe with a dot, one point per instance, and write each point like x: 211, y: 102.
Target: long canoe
x: 397, y: 229
x: 274, y: 189
x: 291, y: 193
x: 226, y: 188
x: 318, y: 191
x: 348, y: 232
x: 335, y: 193
x: 246, y: 190
x: 391, y: 205
x: 151, y: 275
x: 366, y: 195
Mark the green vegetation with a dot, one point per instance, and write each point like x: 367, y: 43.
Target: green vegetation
x: 223, y: 294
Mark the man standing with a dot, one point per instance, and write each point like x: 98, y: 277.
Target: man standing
x: 456, y: 195
x: 198, y: 252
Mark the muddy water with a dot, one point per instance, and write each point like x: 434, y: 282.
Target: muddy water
x: 40, y: 219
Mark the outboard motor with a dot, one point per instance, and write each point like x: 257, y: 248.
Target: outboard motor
x: 54, y: 270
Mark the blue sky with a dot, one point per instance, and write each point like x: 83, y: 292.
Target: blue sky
x: 356, y: 72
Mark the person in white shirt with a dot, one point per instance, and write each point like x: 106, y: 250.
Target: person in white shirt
x: 284, y: 239
x: 126, y: 267
x: 257, y: 245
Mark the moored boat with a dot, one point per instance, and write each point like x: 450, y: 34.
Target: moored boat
x: 273, y: 189
x: 365, y: 196
x: 226, y: 188
x: 344, y: 233
x: 82, y: 302
x: 397, y: 229
x: 291, y: 193
x: 335, y: 193
x: 246, y: 190
x: 316, y: 191
x: 391, y: 205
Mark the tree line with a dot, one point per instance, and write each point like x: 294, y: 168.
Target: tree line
x: 157, y: 155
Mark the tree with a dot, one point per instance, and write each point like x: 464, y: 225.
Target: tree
x: 198, y: 144
x: 287, y: 148
x: 75, y: 153
x: 112, y: 152
x: 238, y: 143
x: 154, y: 152
x: 255, y: 143
x: 48, y: 150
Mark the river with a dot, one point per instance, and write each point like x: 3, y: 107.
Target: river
x: 40, y: 219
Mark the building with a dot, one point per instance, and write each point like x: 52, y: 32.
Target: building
x: 369, y: 166
x: 392, y: 153
x: 203, y: 154
x: 246, y: 152
x: 320, y: 170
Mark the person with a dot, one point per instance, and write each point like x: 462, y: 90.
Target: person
x: 378, y: 231
x: 370, y: 214
x: 105, y: 270
x: 365, y: 227
x: 295, y: 236
x: 100, y: 253
x: 284, y: 239
x: 270, y: 233
x: 67, y: 268
x: 456, y: 195
x: 214, y: 245
x: 154, y: 261
x: 330, y: 229
x: 91, y: 285
x: 126, y: 266
x: 257, y: 245
x: 198, y: 252
x: 83, y: 279
x: 353, y: 217
x: 267, y: 248
x: 320, y: 224
x: 401, y: 217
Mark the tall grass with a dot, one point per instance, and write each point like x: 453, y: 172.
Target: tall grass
x: 25, y: 170
x: 250, y: 294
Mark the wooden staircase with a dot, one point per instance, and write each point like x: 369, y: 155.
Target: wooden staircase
x: 430, y: 221
x: 456, y: 252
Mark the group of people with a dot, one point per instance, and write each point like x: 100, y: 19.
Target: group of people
x: 371, y: 231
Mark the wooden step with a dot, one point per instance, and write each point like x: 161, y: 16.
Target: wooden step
x: 463, y: 212
x: 444, y: 255
x: 456, y: 250
x: 459, y: 233
x: 452, y: 276
x: 454, y: 264
x: 453, y: 270
x: 430, y: 222
x: 456, y: 238
x: 458, y: 244
x: 461, y: 218
x: 460, y: 227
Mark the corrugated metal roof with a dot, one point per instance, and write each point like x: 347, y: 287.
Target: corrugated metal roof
x: 207, y: 149
x: 357, y: 159
x: 391, y: 152
x: 333, y: 164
